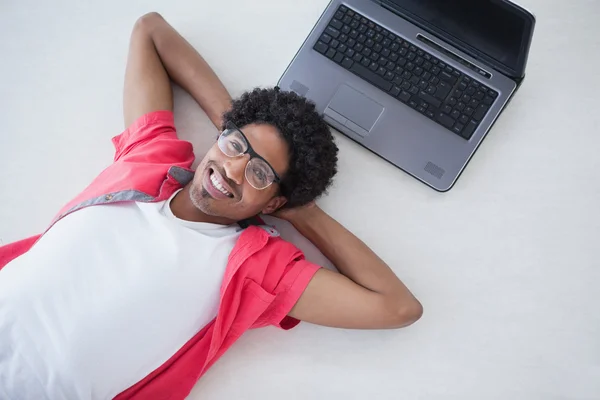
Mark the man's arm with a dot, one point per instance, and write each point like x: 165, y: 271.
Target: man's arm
x: 156, y: 53
x: 366, y: 294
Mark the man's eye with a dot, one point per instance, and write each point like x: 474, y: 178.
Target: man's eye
x: 260, y: 174
x: 237, y: 147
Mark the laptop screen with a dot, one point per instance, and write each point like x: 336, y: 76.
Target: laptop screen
x: 492, y: 27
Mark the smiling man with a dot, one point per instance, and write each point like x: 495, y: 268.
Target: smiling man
x: 149, y: 275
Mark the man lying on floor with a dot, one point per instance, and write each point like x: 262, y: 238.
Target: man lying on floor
x: 150, y: 274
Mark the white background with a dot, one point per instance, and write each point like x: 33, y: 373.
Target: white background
x: 505, y: 264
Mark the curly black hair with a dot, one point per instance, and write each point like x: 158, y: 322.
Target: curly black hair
x: 313, y: 153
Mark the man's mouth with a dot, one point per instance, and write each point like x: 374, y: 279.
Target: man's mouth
x: 216, y: 182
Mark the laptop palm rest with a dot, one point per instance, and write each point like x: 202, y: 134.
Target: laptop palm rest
x: 354, y: 110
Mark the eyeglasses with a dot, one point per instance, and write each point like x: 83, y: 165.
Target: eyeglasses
x: 233, y: 143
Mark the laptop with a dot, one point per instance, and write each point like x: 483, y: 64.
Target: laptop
x: 418, y: 82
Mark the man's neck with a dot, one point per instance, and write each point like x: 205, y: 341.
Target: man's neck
x: 183, y: 208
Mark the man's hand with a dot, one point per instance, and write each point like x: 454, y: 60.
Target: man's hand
x: 290, y: 214
x: 365, y: 294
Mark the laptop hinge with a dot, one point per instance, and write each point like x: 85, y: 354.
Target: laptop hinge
x: 390, y: 6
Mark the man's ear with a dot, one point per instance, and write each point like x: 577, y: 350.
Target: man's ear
x: 274, y: 204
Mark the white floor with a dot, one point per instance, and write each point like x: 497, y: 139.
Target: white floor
x: 506, y: 263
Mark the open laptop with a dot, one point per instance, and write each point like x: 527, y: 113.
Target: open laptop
x: 418, y: 82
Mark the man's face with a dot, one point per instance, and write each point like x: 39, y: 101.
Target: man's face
x: 243, y: 200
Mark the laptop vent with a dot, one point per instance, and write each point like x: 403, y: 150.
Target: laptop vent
x: 434, y: 170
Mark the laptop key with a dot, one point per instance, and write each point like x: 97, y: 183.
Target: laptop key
x: 371, y: 77
x: 488, y: 101
x: 404, y: 96
x: 336, y: 23
x: 395, y: 91
x: 445, y: 76
x: 330, y: 53
x: 338, y: 57
x: 331, y: 31
x: 321, y: 47
x: 480, y: 112
x: 325, y: 38
x: 429, y: 99
x: 469, y: 129
x: 442, y: 90
x: 458, y: 128
x: 444, y: 119
x: 347, y: 63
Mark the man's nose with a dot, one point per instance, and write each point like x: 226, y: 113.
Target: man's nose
x: 235, y: 168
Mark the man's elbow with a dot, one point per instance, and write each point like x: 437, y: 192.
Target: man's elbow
x: 406, y: 313
x: 147, y: 22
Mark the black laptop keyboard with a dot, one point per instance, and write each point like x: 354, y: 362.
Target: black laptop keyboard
x: 406, y: 72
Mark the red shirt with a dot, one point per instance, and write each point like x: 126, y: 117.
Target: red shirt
x: 264, y: 278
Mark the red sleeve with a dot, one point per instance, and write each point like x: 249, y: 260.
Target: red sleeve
x: 288, y: 291
x: 13, y: 250
x: 155, y: 129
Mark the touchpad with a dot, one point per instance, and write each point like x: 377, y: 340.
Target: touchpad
x: 355, y: 110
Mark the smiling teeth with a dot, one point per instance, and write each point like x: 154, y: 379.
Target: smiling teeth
x: 218, y: 185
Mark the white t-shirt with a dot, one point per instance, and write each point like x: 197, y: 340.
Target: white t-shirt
x: 106, y: 296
